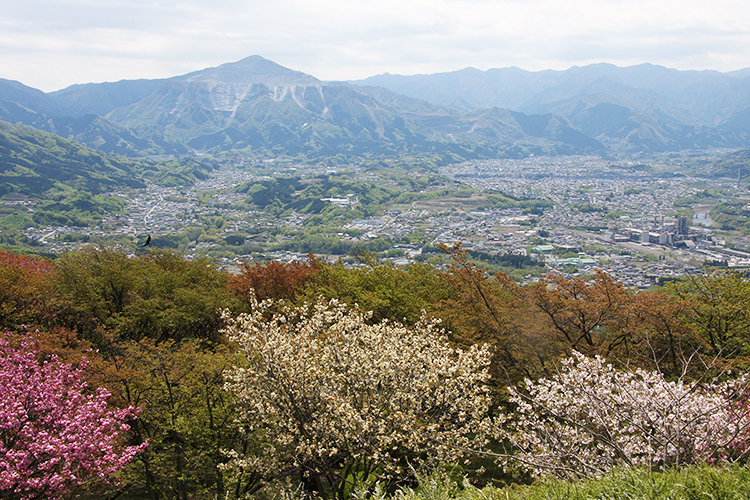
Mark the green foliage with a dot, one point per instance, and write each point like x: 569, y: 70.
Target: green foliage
x: 586, y: 208
x: 506, y: 261
x: 306, y: 195
x: 68, y: 181
x: 187, y: 418
x: 75, y: 208
x: 311, y: 242
x: 33, y: 162
x: 391, y: 292
x: 729, y: 164
x: 615, y: 214
x: 177, y: 171
x: 718, y: 310
x: 159, y: 295
x: 153, y: 315
x: 25, y: 293
x: 732, y: 216
x: 16, y: 220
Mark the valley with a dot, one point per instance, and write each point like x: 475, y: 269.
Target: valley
x: 573, y: 214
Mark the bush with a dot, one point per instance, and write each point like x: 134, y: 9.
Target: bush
x: 187, y: 418
x: 689, y: 483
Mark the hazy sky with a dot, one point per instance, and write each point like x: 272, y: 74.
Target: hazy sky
x: 50, y: 44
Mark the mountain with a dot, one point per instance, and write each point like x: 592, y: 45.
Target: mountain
x: 18, y: 97
x: 110, y: 137
x: 259, y: 107
x: 730, y: 164
x: 39, y: 164
x: 68, y: 113
x: 703, y: 96
x: 102, y: 98
x: 740, y: 73
x: 640, y: 107
x: 467, y: 89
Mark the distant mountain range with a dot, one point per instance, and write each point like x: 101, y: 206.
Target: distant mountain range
x: 643, y: 107
x: 260, y: 108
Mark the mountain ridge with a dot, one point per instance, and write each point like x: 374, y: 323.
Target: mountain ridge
x: 258, y: 106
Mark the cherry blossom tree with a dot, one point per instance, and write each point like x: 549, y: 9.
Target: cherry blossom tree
x: 56, y: 434
x: 592, y: 417
x: 344, y: 402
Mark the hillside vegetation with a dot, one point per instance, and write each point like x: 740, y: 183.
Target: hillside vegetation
x: 34, y: 162
x: 273, y: 380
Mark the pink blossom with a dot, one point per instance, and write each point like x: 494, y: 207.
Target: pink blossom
x: 55, y: 433
x: 592, y: 417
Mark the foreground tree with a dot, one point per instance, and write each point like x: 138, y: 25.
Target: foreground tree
x: 25, y: 293
x: 600, y: 316
x: 591, y: 417
x: 55, y: 434
x: 400, y: 293
x: 585, y: 313
x: 186, y: 416
x: 344, y: 402
x: 273, y: 279
x: 493, y: 309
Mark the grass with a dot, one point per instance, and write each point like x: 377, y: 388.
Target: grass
x: 694, y: 483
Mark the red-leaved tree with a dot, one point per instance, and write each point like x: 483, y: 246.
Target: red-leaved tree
x: 55, y: 433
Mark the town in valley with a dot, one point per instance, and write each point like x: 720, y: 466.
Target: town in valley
x: 642, y: 221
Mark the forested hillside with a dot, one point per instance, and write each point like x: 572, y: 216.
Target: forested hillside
x: 33, y: 162
x: 68, y: 183
x: 334, y: 380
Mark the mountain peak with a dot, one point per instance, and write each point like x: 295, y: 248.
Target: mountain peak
x: 251, y: 70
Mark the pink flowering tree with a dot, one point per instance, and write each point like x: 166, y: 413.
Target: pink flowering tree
x: 592, y: 417
x: 55, y: 433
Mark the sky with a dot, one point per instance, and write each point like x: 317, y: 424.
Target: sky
x: 51, y: 44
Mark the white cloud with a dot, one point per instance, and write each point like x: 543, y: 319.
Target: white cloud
x: 54, y: 43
